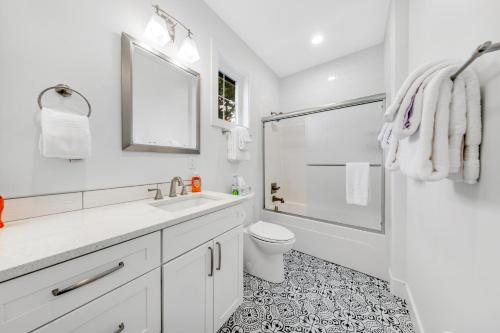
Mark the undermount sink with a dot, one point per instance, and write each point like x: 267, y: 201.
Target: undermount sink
x: 182, y: 203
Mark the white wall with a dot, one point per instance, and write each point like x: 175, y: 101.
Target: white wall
x: 396, y: 70
x: 78, y: 43
x: 452, y: 229
x: 356, y: 75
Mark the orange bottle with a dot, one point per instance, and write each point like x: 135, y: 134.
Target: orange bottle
x: 1, y: 210
x: 196, y: 184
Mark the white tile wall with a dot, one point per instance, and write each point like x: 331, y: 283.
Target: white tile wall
x: 23, y: 208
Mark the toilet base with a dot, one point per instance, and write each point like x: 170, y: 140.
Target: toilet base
x: 267, y: 266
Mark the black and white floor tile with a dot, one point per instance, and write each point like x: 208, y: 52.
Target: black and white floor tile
x: 318, y: 296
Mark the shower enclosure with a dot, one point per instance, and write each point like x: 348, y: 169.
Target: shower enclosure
x: 305, y: 156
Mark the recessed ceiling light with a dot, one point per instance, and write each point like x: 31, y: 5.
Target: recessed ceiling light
x: 331, y: 78
x: 317, y: 39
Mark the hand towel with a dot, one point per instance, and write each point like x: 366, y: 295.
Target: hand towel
x: 244, y: 137
x: 425, y: 155
x: 357, y: 183
x: 234, y: 153
x: 64, y: 135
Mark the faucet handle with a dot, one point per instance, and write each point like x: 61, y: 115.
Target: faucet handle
x: 159, y: 195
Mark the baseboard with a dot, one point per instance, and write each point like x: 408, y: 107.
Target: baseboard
x: 401, y: 289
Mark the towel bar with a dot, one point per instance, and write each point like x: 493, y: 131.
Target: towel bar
x: 484, y: 48
x: 65, y: 91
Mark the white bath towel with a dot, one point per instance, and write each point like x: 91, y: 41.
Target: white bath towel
x: 473, y: 134
x: 357, y: 183
x: 458, y: 123
x: 425, y: 154
x: 64, y: 135
x: 410, y: 87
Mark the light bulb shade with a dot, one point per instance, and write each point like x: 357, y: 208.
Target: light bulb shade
x: 156, y: 30
x: 189, y: 51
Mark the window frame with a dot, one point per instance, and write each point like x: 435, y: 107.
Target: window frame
x: 220, y: 63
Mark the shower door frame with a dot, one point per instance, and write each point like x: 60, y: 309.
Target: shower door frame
x: 330, y: 107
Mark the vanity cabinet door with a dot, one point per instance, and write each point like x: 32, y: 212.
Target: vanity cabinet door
x: 134, y: 307
x: 228, y: 276
x: 188, y: 292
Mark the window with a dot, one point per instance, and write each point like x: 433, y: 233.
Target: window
x: 227, y: 100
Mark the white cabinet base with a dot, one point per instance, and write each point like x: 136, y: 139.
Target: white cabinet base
x: 134, y: 307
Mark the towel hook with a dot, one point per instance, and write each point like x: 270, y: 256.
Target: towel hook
x: 65, y: 91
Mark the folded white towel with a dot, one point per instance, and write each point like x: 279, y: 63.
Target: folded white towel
x: 473, y: 134
x: 425, y: 155
x: 410, y: 87
x: 64, y: 135
x: 357, y: 183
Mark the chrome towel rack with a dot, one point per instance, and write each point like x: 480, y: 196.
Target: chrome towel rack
x: 484, y: 48
x: 65, y: 91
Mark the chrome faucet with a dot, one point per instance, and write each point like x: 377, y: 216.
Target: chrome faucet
x: 173, y: 187
x: 159, y: 195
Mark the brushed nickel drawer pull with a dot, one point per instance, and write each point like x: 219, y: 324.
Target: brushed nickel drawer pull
x: 121, y: 327
x: 211, y: 261
x: 57, y: 292
x: 220, y: 255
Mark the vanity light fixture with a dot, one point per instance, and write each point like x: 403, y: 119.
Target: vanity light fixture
x: 161, y: 30
x: 189, y: 51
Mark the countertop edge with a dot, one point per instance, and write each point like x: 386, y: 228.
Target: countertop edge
x: 31, y: 267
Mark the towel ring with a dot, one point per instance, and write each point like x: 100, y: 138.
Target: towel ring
x: 65, y: 91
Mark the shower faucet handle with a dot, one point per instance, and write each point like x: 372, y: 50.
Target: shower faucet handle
x: 275, y: 198
x: 274, y: 188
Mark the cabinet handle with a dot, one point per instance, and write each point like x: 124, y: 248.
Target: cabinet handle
x: 220, y: 255
x: 57, y: 292
x: 121, y: 327
x: 211, y: 261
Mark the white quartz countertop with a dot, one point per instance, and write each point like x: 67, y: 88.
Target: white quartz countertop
x: 31, y: 244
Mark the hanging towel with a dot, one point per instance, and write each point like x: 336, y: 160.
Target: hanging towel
x: 64, y: 135
x: 357, y: 183
x: 473, y: 134
x: 425, y: 155
x: 234, y: 153
x: 410, y: 87
x: 244, y: 137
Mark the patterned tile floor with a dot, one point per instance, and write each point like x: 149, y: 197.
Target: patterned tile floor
x: 318, y: 296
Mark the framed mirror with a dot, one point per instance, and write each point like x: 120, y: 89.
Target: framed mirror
x: 160, y: 101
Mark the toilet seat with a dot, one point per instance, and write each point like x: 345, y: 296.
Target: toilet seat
x: 270, y: 232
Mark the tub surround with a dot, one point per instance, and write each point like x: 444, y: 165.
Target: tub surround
x: 35, y: 243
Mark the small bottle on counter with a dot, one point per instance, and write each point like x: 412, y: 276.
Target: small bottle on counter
x: 1, y: 210
x: 196, y: 183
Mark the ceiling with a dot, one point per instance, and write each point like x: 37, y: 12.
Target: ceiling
x: 280, y: 31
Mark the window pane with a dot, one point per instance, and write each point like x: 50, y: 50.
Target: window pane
x: 227, y: 109
x: 230, y: 111
x: 230, y: 91
x: 221, y: 86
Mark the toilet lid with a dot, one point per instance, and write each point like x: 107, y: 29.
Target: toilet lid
x: 271, y: 232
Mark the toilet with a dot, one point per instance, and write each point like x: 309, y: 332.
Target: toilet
x: 263, y: 247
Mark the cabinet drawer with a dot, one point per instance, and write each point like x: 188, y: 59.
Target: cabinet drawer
x: 134, y: 307
x: 33, y: 300
x: 185, y: 236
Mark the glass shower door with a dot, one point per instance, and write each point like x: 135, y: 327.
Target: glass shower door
x: 304, y: 164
